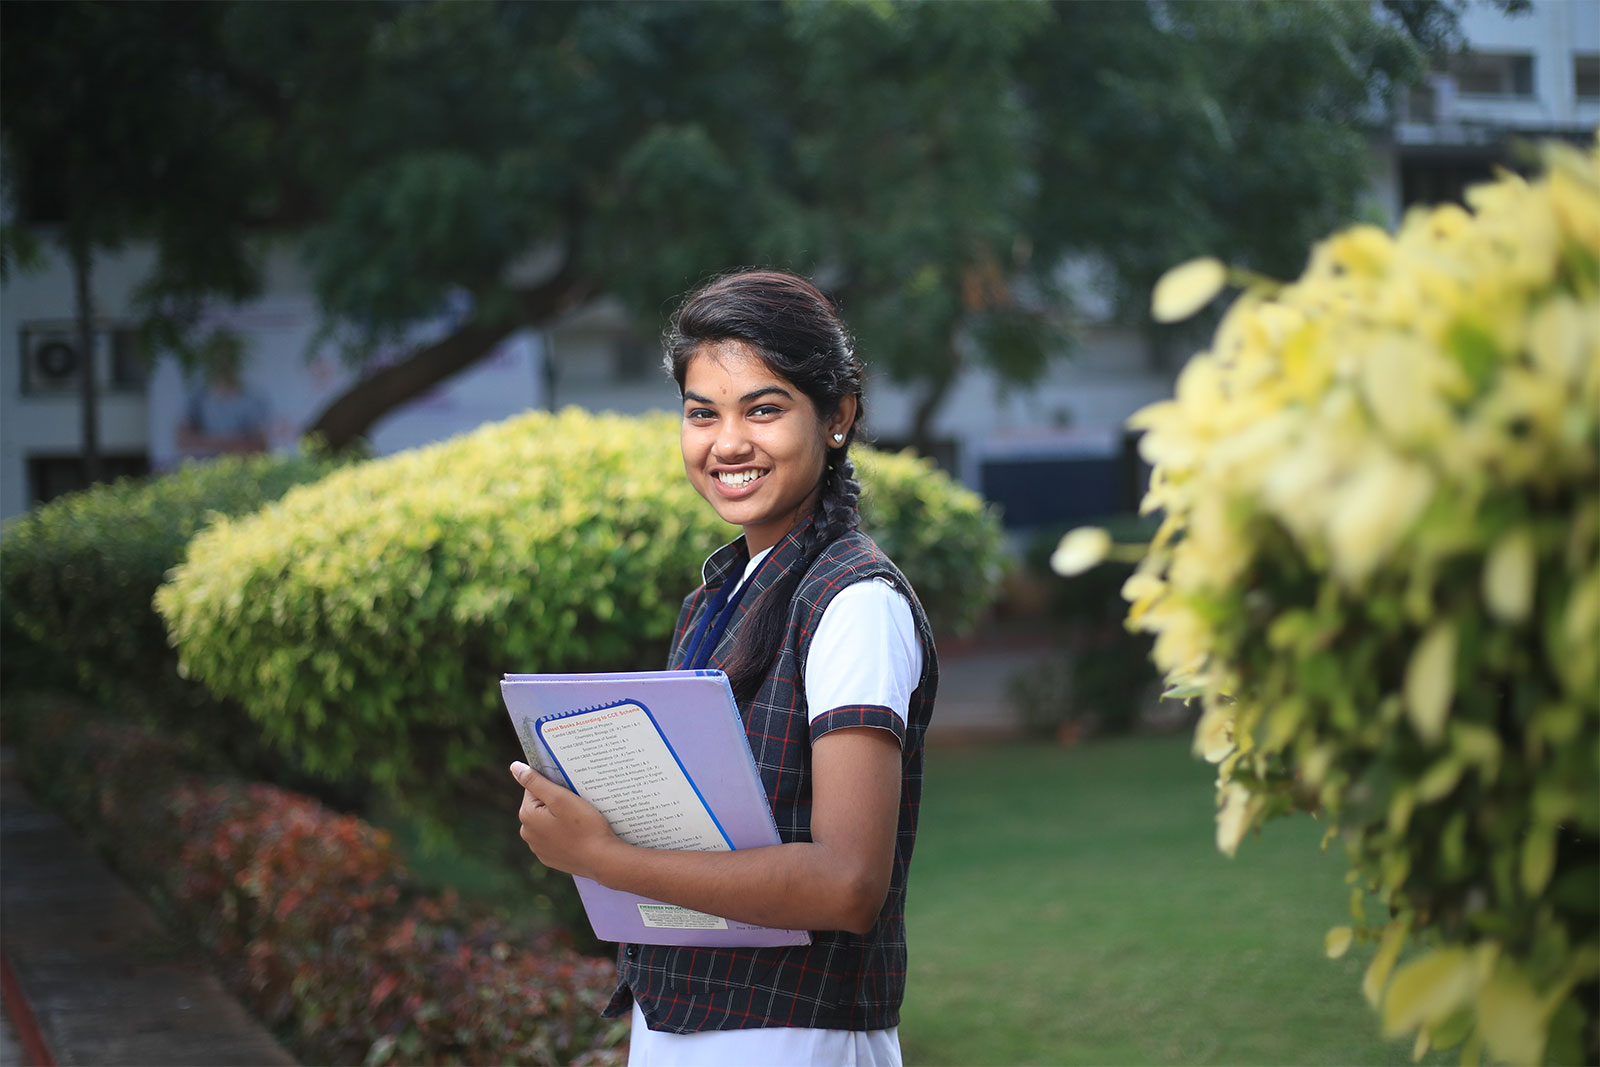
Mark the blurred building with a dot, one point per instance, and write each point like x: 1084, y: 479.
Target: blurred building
x: 1530, y: 76
x: 1052, y: 454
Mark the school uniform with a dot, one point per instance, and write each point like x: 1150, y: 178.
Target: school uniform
x: 870, y: 662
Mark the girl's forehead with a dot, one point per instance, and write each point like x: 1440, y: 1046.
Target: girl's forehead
x: 731, y: 364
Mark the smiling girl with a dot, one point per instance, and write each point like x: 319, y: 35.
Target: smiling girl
x: 832, y: 661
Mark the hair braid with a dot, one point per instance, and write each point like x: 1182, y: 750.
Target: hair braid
x: 836, y: 507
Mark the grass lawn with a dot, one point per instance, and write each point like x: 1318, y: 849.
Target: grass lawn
x: 1069, y: 906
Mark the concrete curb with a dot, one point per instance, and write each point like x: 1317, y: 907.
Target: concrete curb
x: 34, y: 1051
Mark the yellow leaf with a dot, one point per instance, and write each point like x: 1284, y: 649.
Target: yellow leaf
x: 1237, y: 810
x: 1187, y: 288
x: 1337, y: 941
x: 1396, y: 869
x: 1404, y: 381
x: 1439, y: 780
x: 1420, y: 1049
x: 1430, y: 682
x: 1429, y: 988
x: 1538, y: 859
x: 1213, y: 735
x: 1373, y: 511
x: 1401, y: 805
x: 1382, y: 963
x: 1080, y: 550
x: 1508, y: 576
x: 1512, y: 1017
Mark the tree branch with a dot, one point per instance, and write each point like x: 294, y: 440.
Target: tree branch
x: 351, y: 415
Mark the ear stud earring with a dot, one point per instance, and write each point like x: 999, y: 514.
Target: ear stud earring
x: 838, y: 438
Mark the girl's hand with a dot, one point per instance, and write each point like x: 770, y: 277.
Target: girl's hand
x: 562, y: 830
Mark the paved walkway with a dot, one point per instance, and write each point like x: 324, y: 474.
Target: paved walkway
x: 99, y: 981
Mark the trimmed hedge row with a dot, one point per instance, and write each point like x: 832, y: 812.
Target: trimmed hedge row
x: 309, y: 914
x: 365, y: 621
x: 77, y: 576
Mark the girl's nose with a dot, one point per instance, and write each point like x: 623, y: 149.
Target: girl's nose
x: 732, y: 443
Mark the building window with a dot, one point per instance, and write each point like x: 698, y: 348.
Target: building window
x: 53, y: 476
x: 1442, y: 179
x: 944, y: 452
x: 1041, y: 490
x: 639, y: 359
x: 1493, y: 73
x: 1586, y: 75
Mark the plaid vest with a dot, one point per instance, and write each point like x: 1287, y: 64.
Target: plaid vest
x: 841, y: 981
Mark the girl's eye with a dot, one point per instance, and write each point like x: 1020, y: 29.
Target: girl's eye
x: 766, y: 409
x: 699, y: 414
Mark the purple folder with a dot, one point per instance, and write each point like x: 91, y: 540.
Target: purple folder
x: 675, y: 734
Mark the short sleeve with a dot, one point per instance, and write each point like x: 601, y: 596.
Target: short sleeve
x: 864, y: 655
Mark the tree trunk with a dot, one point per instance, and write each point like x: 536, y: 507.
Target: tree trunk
x: 928, y: 405
x: 82, y: 270
x: 351, y: 415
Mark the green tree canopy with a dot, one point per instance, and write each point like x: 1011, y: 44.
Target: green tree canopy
x: 931, y: 163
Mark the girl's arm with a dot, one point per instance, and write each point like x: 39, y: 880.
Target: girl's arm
x: 836, y: 881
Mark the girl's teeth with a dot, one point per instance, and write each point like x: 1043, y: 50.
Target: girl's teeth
x: 738, y: 479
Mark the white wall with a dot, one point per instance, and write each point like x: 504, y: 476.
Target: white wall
x: 1551, y: 31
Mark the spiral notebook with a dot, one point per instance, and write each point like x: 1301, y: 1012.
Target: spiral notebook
x: 663, y: 755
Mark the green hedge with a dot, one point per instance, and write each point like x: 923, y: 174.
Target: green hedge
x: 365, y: 621
x: 77, y: 576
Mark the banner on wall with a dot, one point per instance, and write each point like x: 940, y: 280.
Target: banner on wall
x: 278, y: 391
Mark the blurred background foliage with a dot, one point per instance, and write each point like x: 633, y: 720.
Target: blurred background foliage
x: 931, y: 163
x: 1103, y: 681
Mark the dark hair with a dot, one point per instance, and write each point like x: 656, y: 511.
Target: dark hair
x: 799, y: 336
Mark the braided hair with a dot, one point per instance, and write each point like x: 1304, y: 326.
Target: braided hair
x: 800, y: 337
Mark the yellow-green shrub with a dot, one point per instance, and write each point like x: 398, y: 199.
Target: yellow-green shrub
x: 365, y: 621
x: 1379, y: 570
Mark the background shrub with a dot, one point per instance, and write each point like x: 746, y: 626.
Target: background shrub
x: 1103, y: 681
x: 946, y: 539
x: 77, y: 576
x: 1380, y: 572
x: 365, y: 621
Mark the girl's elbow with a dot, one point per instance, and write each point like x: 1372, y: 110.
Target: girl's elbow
x: 863, y: 904
x: 860, y: 925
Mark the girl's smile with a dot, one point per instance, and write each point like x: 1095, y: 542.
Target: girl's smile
x: 754, y: 445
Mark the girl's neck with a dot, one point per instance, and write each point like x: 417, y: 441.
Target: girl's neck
x: 762, y: 537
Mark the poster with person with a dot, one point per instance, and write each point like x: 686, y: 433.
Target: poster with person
x: 265, y: 393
